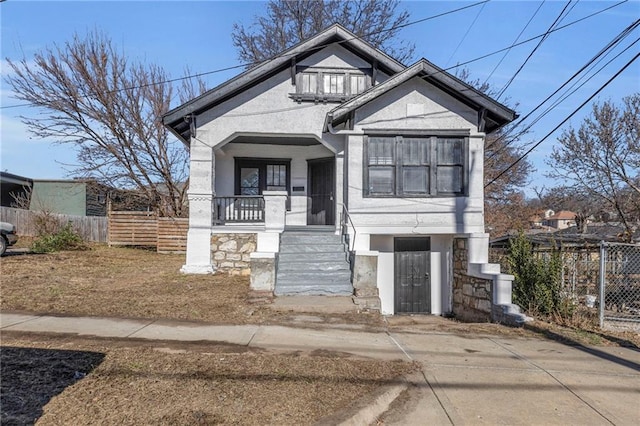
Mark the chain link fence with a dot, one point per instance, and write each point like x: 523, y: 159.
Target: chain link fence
x: 595, y: 272
x: 619, y: 286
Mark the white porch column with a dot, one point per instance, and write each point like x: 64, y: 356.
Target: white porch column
x: 264, y: 259
x: 275, y: 210
x: 200, y: 194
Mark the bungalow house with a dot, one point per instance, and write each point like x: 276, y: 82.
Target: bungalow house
x: 560, y: 220
x: 334, y: 169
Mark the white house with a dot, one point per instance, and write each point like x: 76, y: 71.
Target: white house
x: 334, y: 151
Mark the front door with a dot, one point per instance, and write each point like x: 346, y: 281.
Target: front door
x: 320, y: 199
x: 412, y: 275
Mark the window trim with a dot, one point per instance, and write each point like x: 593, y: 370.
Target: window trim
x: 261, y: 164
x: 320, y: 95
x: 433, y: 165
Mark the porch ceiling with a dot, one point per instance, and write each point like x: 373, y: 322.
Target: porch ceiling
x: 276, y: 140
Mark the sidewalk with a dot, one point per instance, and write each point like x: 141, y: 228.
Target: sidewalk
x: 463, y: 379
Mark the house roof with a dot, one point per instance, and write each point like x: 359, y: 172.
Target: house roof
x: 10, y: 178
x: 177, y: 119
x: 562, y: 215
x: 497, y: 114
x: 595, y: 233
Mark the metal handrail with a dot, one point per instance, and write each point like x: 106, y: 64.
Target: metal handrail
x: 343, y: 224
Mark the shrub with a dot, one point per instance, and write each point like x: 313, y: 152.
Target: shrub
x: 537, y: 286
x: 63, y: 239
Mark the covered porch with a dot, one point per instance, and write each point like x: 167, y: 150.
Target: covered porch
x: 258, y: 184
x: 248, y: 167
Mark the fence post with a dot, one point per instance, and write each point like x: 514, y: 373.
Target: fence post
x: 603, y: 272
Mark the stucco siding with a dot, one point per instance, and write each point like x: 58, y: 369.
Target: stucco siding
x: 416, y: 105
x: 462, y: 214
x: 334, y: 56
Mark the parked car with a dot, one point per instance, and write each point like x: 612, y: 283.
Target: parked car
x: 8, y: 236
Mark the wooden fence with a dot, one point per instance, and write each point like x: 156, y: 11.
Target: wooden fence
x: 146, y: 229
x: 172, y: 235
x: 133, y: 229
x: 90, y: 228
x: 143, y: 229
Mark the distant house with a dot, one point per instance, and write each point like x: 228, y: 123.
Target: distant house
x: 561, y: 220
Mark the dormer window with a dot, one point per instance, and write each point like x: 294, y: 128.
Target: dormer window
x: 308, y: 82
x: 332, y: 85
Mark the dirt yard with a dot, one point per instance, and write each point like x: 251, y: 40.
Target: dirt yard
x: 73, y: 380
x: 132, y: 283
x: 66, y: 380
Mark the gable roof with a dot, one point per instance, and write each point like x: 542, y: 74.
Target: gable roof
x: 562, y: 215
x: 176, y: 119
x: 497, y: 115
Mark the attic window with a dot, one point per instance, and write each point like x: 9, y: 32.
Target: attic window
x: 308, y: 82
x: 321, y: 84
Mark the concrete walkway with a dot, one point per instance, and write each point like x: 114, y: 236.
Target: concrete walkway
x: 463, y: 379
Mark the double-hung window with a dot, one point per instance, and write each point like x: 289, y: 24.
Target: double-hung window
x: 404, y: 166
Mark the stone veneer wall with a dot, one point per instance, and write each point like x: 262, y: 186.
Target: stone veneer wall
x: 471, y: 295
x: 230, y: 252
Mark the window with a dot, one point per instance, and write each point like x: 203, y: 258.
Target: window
x: 414, y: 166
x: 330, y: 84
x: 333, y: 84
x: 256, y: 175
x: 308, y: 82
x: 357, y: 84
x: 276, y: 177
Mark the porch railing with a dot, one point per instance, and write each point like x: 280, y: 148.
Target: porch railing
x: 238, y: 209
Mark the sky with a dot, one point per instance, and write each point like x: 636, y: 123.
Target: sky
x: 197, y: 34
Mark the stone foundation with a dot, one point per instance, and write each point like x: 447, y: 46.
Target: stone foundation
x: 472, y: 298
x: 231, y: 252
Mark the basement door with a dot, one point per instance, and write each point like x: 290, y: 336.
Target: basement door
x: 320, y: 203
x: 412, y: 292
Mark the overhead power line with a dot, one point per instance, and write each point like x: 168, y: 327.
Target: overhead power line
x: 515, y: 41
x: 465, y: 34
x: 544, y: 37
x: 530, y: 150
x: 360, y: 37
x: 596, y: 59
x: 246, y: 65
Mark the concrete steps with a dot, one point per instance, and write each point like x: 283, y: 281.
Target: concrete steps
x: 312, y: 262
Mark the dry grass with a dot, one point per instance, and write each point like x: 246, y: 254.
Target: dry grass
x: 131, y: 283
x: 134, y: 283
x: 130, y: 382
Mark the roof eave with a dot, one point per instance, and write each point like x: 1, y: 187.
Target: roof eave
x: 240, y: 81
x: 500, y: 114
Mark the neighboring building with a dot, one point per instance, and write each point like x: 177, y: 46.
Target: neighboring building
x: 79, y: 197
x: 13, y: 188
x: 335, y: 135
x: 561, y: 220
x: 72, y: 197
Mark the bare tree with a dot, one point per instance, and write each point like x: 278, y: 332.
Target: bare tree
x: 505, y: 205
x: 602, y: 158
x: 288, y: 22
x: 110, y: 108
